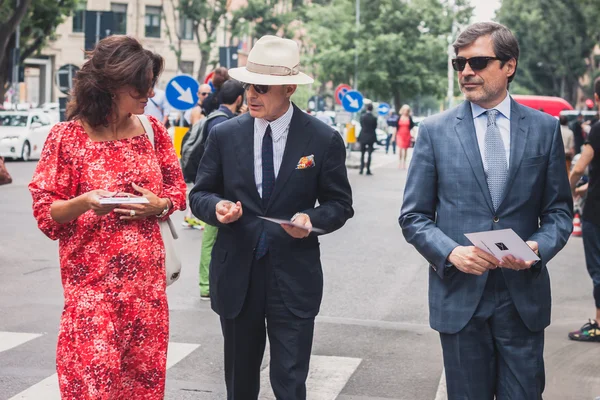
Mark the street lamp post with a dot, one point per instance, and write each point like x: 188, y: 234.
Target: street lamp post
x: 356, y: 45
x: 16, y: 57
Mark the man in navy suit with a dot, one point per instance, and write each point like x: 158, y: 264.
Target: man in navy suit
x: 488, y: 164
x: 275, y: 162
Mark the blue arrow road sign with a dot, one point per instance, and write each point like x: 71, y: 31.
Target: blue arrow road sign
x: 383, y: 109
x: 182, y: 92
x: 352, y: 101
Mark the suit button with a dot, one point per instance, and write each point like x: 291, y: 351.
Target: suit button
x: 496, y: 219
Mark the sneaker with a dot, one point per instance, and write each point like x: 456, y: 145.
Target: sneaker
x: 192, y: 222
x: 590, y: 332
x: 204, y: 297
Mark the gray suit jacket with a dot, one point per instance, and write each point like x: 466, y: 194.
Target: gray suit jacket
x: 446, y: 196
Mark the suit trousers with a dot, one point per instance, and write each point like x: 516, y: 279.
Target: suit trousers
x: 365, y: 148
x: 494, y: 354
x: 290, y: 339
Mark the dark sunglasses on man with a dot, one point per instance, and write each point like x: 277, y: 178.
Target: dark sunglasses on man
x: 260, y: 89
x: 476, y: 63
x: 204, y: 93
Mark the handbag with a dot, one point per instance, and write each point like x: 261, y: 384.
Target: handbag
x: 167, y: 228
x: 5, y: 177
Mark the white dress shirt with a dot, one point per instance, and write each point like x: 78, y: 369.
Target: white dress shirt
x: 279, y: 132
x: 503, y: 122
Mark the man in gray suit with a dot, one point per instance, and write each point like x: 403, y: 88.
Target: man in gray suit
x: 488, y: 164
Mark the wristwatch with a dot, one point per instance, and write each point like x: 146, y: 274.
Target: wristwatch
x: 165, y: 211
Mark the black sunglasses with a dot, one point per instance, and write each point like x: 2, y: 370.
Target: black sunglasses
x: 476, y: 63
x: 204, y: 93
x: 260, y: 89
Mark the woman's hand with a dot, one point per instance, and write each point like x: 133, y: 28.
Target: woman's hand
x: 92, y: 201
x: 154, y: 207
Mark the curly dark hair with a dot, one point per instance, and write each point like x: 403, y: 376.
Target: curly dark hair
x: 116, y: 61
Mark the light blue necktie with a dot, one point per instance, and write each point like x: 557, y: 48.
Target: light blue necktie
x: 495, y: 157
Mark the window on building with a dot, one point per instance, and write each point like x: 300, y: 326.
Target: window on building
x: 187, y: 67
x: 79, y: 17
x: 187, y: 28
x: 120, y: 17
x: 153, y: 21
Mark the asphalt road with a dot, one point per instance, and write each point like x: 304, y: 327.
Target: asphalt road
x: 372, y: 339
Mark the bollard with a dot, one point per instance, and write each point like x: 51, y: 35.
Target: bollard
x: 180, y: 131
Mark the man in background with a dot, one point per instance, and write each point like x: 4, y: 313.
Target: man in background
x: 158, y: 107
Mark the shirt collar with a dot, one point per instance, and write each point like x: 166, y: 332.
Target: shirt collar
x: 279, y: 127
x: 503, y: 108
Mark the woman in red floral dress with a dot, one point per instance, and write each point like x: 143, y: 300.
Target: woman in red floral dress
x: 114, y: 330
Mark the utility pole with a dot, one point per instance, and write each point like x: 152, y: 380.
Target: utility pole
x: 16, y: 58
x: 356, y: 45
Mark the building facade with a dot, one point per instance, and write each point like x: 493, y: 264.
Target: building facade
x: 154, y: 22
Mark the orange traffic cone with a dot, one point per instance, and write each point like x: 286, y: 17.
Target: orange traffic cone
x: 576, y: 225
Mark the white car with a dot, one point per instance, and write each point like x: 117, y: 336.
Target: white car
x: 23, y: 133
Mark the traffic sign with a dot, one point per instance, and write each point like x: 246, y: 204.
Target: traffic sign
x: 64, y: 77
x: 352, y: 101
x: 340, y: 91
x: 383, y: 109
x: 182, y: 92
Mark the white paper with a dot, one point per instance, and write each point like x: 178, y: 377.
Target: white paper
x: 287, y: 222
x: 124, y: 200
x: 502, y: 243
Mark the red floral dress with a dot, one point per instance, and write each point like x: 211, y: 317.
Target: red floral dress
x: 114, y: 329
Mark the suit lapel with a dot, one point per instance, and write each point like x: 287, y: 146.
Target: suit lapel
x: 298, y: 138
x: 519, y: 130
x: 244, y: 147
x: 465, y: 130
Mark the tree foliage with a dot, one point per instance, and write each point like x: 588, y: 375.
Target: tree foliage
x: 555, y: 41
x: 206, y: 15
x: 38, y: 19
x: 402, y: 45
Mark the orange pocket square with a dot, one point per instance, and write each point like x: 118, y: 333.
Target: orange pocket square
x: 306, y: 162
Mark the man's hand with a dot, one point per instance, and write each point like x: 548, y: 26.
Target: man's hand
x: 472, y: 260
x: 228, y: 211
x: 511, y: 262
x: 299, y: 233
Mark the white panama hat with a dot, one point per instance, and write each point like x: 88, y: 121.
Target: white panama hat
x: 272, y: 61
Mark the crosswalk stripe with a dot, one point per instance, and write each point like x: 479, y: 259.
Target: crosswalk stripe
x: 179, y: 351
x: 48, y: 388
x: 8, y: 340
x: 327, y: 377
x: 442, y: 393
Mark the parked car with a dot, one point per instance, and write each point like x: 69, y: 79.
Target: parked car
x: 23, y: 133
x: 572, y: 115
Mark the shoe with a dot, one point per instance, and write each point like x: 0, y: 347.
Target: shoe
x: 369, y: 173
x: 204, y: 297
x: 589, y: 332
x: 360, y: 172
x: 192, y: 222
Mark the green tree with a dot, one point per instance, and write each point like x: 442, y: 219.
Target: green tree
x: 38, y: 19
x: 554, y: 43
x: 265, y: 17
x: 402, y: 46
x: 206, y: 15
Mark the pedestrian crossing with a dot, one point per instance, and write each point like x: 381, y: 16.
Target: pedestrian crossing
x: 327, y: 377
x: 47, y: 389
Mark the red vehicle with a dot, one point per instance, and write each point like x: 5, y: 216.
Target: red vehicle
x: 547, y: 104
